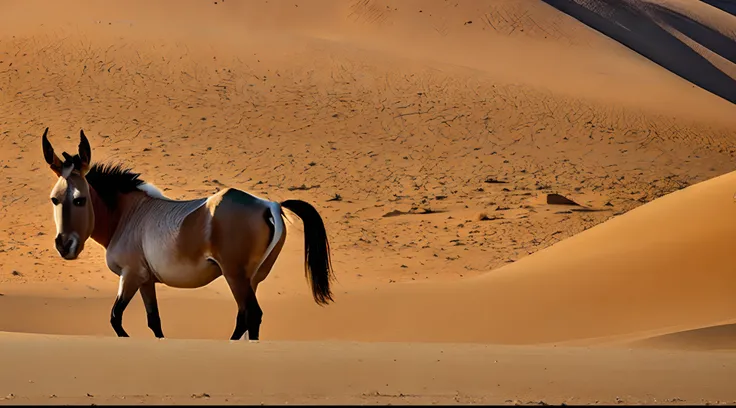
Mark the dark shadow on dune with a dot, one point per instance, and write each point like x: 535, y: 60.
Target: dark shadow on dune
x: 729, y: 6
x: 635, y: 28
x: 706, y: 36
x: 721, y: 337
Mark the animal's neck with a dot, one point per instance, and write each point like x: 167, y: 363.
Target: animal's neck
x: 106, y: 220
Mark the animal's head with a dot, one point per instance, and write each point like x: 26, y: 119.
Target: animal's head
x: 70, y: 197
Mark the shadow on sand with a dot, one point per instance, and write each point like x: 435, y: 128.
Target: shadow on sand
x: 721, y: 337
x: 637, y: 26
x: 729, y: 6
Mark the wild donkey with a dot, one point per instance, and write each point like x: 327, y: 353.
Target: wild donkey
x: 152, y: 239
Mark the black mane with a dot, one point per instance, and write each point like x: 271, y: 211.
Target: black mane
x: 108, y: 180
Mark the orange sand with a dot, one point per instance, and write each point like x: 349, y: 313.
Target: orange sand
x: 473, y: 292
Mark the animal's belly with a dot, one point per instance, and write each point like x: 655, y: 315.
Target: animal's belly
x: 187, y: 274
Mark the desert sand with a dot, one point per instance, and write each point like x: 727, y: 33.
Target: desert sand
x: 429, y: 135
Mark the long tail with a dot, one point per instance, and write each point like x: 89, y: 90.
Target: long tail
x: 318, y: 267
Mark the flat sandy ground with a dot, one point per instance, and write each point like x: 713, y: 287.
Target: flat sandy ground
x: 428, y: 134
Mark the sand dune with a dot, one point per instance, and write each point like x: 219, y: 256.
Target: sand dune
x: 429, y: 135
x: 197, y: 372
x: 637, y: 273
x: 724, y: 5
x: 720, y: 337
x: 661, y: 33
x: 436, y: 136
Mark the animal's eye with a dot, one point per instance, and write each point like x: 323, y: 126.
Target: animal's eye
x: 80, y: 201
x: 54, y: 201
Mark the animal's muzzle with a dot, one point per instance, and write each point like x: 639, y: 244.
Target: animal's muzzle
x: 66, y: 246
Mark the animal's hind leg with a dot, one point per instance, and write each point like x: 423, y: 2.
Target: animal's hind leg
x: 240, y: 287
x: 254, y: 315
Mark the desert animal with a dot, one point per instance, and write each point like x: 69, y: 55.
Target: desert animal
x: 149, y: 238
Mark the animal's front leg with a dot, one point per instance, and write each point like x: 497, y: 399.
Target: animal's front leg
x: 148, y: 293
x: 129, y: 284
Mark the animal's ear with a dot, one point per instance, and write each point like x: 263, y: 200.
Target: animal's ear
x: 85, y: 152
x: 48, y: 153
